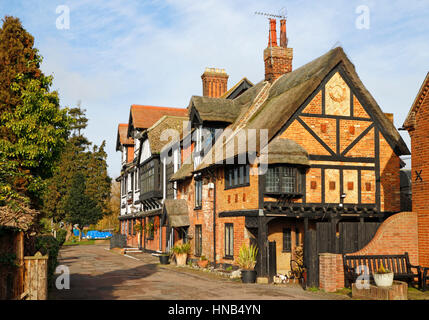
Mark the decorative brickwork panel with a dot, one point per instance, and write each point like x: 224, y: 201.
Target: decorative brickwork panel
x: 300, y: 135
x: 314, y: 179
x: 358, y: 110
x: 347, y: 137
x: 364, y: 147
x: 330, y: 125
x: 367, y: 186
x: 350, y: 182
x: 337, y: 97
x: 332, y: 186
x: 315, y: 105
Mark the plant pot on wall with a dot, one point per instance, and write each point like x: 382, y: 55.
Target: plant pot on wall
x: 383, y: 279
x: 248, y: 276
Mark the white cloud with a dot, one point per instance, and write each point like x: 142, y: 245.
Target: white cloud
x: 118, y: 53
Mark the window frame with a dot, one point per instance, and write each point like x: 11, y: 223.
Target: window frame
x: 229, y: 241
x: 287, y: 239
x: 237, y: 176
x: 198, y: 192
x: 280, y: 186
x: 198, y: 240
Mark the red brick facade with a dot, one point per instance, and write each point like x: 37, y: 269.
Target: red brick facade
x: 418, y: 126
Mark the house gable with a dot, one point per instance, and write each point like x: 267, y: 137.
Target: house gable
x: 337, y: 100
x: 349, y: 151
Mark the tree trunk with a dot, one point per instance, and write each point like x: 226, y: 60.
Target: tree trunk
x: 69, y: 228
x: 80, y: 234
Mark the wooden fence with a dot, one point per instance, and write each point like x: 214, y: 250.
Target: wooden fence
x: 36, y: 277
x: 27, y: 279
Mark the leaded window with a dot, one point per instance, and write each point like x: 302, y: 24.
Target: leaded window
x: 283, y: 179
x: 148, y: 177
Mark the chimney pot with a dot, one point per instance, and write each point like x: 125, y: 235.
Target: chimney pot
x: 215, y: 82
x: 272, y: 36
x: 278, y: 60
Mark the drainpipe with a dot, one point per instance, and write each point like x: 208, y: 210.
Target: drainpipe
x: 214, y: 216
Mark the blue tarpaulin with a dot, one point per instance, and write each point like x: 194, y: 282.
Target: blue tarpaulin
x: 93, y: 234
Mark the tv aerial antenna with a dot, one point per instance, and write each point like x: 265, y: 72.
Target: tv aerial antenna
x: 281, y: 15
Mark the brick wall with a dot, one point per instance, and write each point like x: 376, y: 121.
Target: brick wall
x: 420, y: 187
x: 396, y: 235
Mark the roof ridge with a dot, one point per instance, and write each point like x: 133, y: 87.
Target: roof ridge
x: 154, y: 107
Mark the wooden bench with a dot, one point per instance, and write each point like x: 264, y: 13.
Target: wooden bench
x: 424, y: 276
x: 399, y: 264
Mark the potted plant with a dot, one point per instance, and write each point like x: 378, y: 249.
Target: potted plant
x: 163, y: 258
x: 247, y: 261
x: 181, y: 252
x: 203, y: 262
x: 383, y: 277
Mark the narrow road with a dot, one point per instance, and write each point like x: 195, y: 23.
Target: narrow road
x: 97, y: 273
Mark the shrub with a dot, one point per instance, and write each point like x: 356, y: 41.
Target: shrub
x: 247, y: 257
x: 182, y: 248
x: 48, y: 245
x: 61, y: 236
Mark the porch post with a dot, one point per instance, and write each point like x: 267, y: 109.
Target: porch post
x: 306, y: 242
x: 262, y: 244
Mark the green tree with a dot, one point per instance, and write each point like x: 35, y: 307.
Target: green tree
x: 33, y: 128
x: 81, y: 209
x: 78, y: 157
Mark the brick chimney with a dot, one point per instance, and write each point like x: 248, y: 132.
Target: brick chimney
x: 215, y: 82
x: 278, y: 60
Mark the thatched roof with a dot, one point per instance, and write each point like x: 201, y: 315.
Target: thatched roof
x: 177, y: 213
x: 221, y: 109
x: 185, y: 171
x: 410, y: 121
x: 18, y: 216
x: 292, y: 89
x: 286, y: 95
x: 155, y: 132
x: 286, y: 151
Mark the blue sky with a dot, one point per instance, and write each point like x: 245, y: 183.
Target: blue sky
x: 118, y: 53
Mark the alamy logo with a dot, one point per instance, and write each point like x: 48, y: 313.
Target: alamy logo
x: 363, y: 20
x: 362, y: 281
x: 63, y: 21
x: 63, y: 280
x: 218, y: 146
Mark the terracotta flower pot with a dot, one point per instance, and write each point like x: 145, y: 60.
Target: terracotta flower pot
x: 203, y: 263
x: 383, y: 279
x: 181, y: 259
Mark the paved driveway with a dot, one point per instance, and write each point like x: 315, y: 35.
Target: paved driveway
x: 97, y: 273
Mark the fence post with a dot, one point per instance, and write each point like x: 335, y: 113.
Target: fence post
x: 36, y: 277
